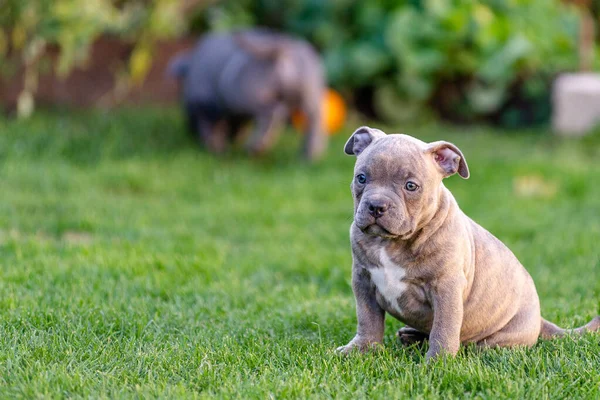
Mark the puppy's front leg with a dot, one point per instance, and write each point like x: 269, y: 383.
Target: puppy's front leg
x: 447, y: 317
x: 370, y: 315
x: 268, y: 125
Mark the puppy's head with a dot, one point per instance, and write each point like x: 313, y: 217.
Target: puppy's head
x: 397, y: 180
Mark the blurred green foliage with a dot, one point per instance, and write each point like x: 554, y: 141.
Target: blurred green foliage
x: 466, y: 58
x: 29, y: 27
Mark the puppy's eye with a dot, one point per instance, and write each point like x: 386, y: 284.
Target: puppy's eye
x: 361, y: 178
x: 411, y: 186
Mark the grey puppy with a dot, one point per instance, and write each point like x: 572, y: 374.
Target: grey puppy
x: 417, y: 256
x: 229, y: 78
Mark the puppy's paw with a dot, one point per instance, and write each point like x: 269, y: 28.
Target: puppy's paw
x: 258, y: 147
x: 595, y: 324
x: 360, y: 346
x: 345, y: 349
x: 409, y: 336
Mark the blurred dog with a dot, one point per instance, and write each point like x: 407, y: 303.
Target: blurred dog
x: 228, y: 79
x: 417, y: 256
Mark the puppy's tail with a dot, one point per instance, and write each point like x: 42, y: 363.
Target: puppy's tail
x: 550, y: 330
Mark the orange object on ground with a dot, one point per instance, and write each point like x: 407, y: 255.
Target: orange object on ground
x: 334, y: 113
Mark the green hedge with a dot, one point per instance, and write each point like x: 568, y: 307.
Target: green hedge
x: 466, y: 59
x: 29, y: 27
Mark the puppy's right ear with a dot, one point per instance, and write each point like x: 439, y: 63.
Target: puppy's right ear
x: 360, y: 139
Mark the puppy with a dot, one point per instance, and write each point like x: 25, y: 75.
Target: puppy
x: 418, y: 257
x: 231, y: 78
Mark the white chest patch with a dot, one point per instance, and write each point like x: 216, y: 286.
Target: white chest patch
x: 388, y: 280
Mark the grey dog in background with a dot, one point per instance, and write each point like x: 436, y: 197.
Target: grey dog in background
x: 230, y: 78
x: 417, y: 256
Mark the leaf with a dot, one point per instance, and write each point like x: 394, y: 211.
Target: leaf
x: 140, y: 63
x: 368, y: 60
x: 401, y: 30
x: 336, y: 65
x: 19, y: 36
x: 486, y: 98
x: 499, y: 67
x: 416, y: 86
x: 424, y: 60
x: 392, y: 107
x: 483, y: 15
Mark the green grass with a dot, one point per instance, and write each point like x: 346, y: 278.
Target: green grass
x: 135, y: 265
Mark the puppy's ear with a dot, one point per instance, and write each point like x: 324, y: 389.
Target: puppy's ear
x: 261, y: 45
x: 360, y: 139
x: 448, y: 158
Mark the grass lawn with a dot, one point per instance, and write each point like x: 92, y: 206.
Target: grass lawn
x: 134, y: 265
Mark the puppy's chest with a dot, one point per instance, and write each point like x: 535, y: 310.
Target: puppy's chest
x: 399, y: 292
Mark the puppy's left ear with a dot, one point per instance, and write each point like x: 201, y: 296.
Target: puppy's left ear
x: 448, y: 158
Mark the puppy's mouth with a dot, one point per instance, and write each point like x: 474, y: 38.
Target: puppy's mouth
x: 377, y: 230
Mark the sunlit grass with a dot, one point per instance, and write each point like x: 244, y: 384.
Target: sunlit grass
x: 133, y: 264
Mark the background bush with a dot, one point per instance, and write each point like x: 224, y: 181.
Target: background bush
x: 29, y: 27
x: 465, y: 59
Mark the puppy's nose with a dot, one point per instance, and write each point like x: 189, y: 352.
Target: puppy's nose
x: 377, y: 208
